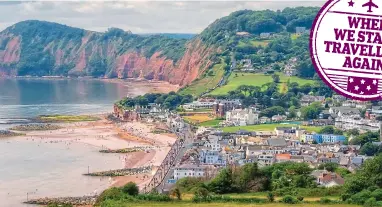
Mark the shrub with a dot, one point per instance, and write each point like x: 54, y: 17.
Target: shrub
x: 345, y: 196
x: 271, y: 197
x: 300, y: 198
x: 325, y: 200
x: 361, y: 197
x: 289, y: 200
x: 188, y: 183
x: 371, y: 202
x: 176, y: 193
x: 110, y: 194
x: 202, y: 192
x: 377, y: 194
x: 153, y: 197
x: 131, y: 189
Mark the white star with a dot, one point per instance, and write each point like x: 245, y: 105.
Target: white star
x: 362, y: 81
x: 368, y: 88
x: 361, y: 92
x: 374, y: 82
x: 356, y: 88
x: 351, y: 80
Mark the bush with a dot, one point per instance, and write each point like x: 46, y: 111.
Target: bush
x: 271, y: 197
x: 110, y: 194
x: 176, y: 193
x: 360, y: 198
x: 345, y: 196
x: 153, y: 197
x: 325, y: 201
x: 289, y: 200
x: 300, y: 198
x: 371, y: 202
x: 131, y: 189
x: 202, y: 192
x: 377, y: 194
x: 188, y: 183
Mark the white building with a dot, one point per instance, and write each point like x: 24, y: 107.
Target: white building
x: 356, y: 122
x: 188, y: 170
x: 213, y: 143
x: 242, y: 117
x: 198, y: 105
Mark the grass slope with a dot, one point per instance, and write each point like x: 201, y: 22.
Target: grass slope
x: 191, y: 204
x: 256, y: 79
x: 201, y: 85
x: 268, y: 127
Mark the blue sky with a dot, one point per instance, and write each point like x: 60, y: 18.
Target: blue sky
x: 136, y: 16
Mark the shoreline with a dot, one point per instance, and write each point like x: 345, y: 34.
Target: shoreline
x: 104, y: 134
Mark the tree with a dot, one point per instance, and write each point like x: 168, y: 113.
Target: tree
x: 276, y: 78
x: 131, y: 189
x: 311, y: 111
x: 370, y: 149
x: 223, y: 182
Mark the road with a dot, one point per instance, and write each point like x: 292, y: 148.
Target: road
x: 166, y: 170
x: 188, y: 137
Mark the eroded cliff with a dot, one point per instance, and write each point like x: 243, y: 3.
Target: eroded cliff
x: 44, y: 48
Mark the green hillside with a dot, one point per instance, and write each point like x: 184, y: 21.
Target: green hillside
x: 208, y: 81
x: 255, y: 79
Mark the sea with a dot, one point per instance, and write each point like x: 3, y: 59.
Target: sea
x: 31, y: 169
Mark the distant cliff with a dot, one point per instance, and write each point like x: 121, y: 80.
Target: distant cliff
x: 41, y: 48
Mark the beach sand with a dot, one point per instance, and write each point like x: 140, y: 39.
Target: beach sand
x: 104, y: 134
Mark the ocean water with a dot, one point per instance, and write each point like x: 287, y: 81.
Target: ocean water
x: 42, y: 169
x: 25, y: 98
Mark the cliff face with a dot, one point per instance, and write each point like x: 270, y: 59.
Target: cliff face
x: 43, y: 48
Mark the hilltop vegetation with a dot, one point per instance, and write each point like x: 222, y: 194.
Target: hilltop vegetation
x: 37, y: 36
x: 41, y: 48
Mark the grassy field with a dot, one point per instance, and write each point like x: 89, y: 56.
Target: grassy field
x: 211, y: 123
x: 268, y: 127
x: 208, y: 82
x: 66, y: 118
x: 256, y: 79
x: 198, y: 118
x: 262, y: 43
x: 190, y: 204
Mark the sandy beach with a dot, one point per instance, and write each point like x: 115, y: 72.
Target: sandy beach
x: 104, y: 134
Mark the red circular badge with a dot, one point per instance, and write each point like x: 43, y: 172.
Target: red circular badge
x: 346, y: 47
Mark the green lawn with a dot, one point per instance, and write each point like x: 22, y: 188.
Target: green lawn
x: 203, y: 84
x: 267, y: 127
x: 255, y: 79
x: 191, y: 204
x: 262, y: 43
x: 210, y: 123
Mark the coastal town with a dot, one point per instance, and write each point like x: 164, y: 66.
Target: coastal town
x: 290, y: 140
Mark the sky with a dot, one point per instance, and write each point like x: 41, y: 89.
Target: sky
x: 136, y: 16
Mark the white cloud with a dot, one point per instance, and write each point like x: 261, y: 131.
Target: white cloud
x: 137, y: 16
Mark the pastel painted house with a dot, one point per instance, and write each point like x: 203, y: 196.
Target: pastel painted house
x: 322, y: 138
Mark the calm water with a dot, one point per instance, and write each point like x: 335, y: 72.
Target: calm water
x: 43, y: 169
x: 25, y: 98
